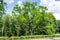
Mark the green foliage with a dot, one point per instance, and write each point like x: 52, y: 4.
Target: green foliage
x: 2, y: 7
x: 2, y: 11
x: 58, y: 26
x: 28, y: 20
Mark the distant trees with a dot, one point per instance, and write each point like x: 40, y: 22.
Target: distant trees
x: 58, y: 26
x: 28, y: 20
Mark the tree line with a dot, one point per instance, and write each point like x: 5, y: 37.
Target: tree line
x: 28, y: 20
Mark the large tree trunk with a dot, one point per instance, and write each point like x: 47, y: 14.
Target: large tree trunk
x: 2, y: 30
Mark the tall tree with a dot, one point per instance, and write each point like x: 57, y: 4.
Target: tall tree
x: 36, y: 18
x: 2, y: 12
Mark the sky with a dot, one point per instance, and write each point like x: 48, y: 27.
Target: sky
x: 12, y: 3
x: 52, y: 5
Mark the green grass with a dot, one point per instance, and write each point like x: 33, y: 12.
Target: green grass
x: 29, y: 37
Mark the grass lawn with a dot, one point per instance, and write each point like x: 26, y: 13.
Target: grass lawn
x: 57, y: 38
x: 33, y: 37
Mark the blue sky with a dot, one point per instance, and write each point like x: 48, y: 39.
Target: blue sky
x: 52, y: 5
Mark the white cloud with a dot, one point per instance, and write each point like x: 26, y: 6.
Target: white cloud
x: 9, y: 1
x: 57, y: 6
x: 49, y: 3
x: 57, y: 16
x: 53, y: 6
x: 20, y: 3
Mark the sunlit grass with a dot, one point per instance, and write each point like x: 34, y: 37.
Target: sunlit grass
x: 33, y: 37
